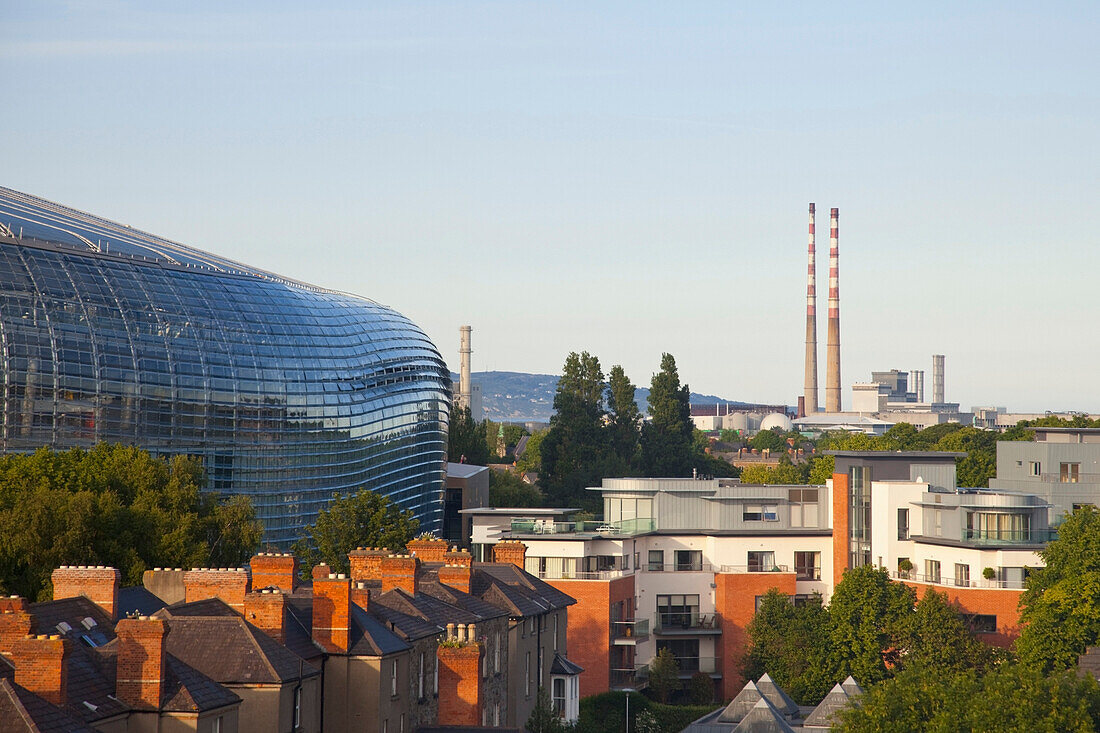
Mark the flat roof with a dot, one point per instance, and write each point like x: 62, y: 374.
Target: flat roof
x: 464, y: 470
x: 897, y: 454
x: 540, y: 510
x: 1063, y: 430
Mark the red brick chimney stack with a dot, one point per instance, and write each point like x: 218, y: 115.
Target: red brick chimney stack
x: 459, y: 659
x: 512, y: 551
x: 228, y: 584
x: 320, y: 570
x: 16, y: 622
x: 399, y: 571
x: 274, y: 570
x: 456, y: 576
x: 456, y: 556
x: 360, y: 595
x: 429, y: 549
x: 140, y: 681
x: 266, y: 610
x: 366, y: 562
x: 41, y: 666
x: 332, y: 613
x: 98, y: 583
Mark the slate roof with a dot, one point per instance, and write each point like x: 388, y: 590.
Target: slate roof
x: 821, y: 717
x: 465, y: 601
x: 561, y: 665
x: 229, y: 650
x: 526, y: 594
x: 779, y: 699
x: 138, y: 599
x: 73, y: 611
x: 374, y: 632
x: 406, y: 626
x: 188, y: 690
x: 24, y: 712
x: 763, y: 718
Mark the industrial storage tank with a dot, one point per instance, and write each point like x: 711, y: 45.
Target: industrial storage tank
x: 738, y: 421
x: 776, y: 420
x: 287, y: 392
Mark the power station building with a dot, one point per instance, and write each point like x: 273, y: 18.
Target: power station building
x: 287, y: 392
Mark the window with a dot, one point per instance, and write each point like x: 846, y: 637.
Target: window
x: 980, y: 623
x: 393, y: 678
x: 656, y: 560
x: 435, y: 677
x: 527, y: 675
x: 386, y: 725
x: 807, y: 565
x: 962, y: 575
x: 938, y: 529
x: 298, y: 707
x: 803, y: 507
x: 859, y: 516
x: 496, y: 715
x: 686, y: 652
x: 678, y: 610
x: 760, y: 513
x: 998, y: 526
x: 401, y: 724
x: 555, y: 633
x: 496, y: 653
x: 1035, y: 468
x: 1069, y: 473
x: 932, y: 571
x: 903, y: 524
x: 905, y: 566
x: 531, y: 625
x: 689, y: 559
x: 558, y: 695
x: 761, y: 562
x: 420, y: 679
x: 217, y: 726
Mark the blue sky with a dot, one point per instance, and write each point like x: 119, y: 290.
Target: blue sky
x: 627, y: 178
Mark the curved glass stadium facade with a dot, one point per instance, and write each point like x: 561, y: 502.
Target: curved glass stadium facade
x: 289, y: 393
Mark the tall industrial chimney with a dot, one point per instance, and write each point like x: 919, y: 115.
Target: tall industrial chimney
x: 810, y: 404
x: 832, y: 348
x: 464, y: 387
x: 918, y: 384
x: 937, y: 378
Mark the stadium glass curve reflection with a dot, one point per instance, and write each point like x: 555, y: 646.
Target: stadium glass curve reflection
x: 288, y: 393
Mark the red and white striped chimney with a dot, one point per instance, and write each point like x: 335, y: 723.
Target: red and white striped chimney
x: 832, y: 376
x: 810, y: 404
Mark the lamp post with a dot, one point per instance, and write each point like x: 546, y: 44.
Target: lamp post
x: 628, y: 690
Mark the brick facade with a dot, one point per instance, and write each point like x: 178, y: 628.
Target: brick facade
x: 366, y: 562
x: 1000, y: 602
x: 360, y: 594
x: 735, y: 603
x: 459, y: 684
x: 228, y: 584
x: 428, y: 550
x: 456, y: 576
x: 589, y: 624
x: 141, y: 661
x: 331, y: 613
x: 274, y: 570
x: 399, y: 571
x: 266, y: 610
x: 97, y: 583
x: 456, y: 556
x: 41, y: 666
x: 16, y: 622
x: 512, y: 551
x: 840, y: 526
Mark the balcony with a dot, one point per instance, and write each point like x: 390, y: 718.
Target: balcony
x: 754, y: 569
x: 623, y: 528
x: 950, y: 582
x: 686, y: 624
x: 691, y: 665
x: 565, y: 574
x: 1008, y: 538
x: 635, y: 678
x: 680, y: 567
x: 625, y: 633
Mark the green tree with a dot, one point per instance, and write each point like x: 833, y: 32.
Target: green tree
x: 701, y: 689
x: 768, y: 440
x: 790, y: 643
x: 935, y: 637
x: 867, y: 612
x: 625, y: 422
x: 784, y: 473
x: 466, y: 440
x: 664, y: 675
x: 1060, y: 607
x: 363, y: 519
x: 506, y: 489
x: 980, y: 463
x: 821, y: 470
x: 574, y: 450
x: 543, y: 718
x: 113, y: 505
x: 666, y: 440
x: 531, y: 460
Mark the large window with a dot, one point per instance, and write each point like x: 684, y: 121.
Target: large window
x: 804, y: 510
x: 859, y: 516
x: 760, y: 513
x: 807, y: 565
x: 677, y: 610
x: 932, y: 571
x: 962, y: 575
x: 761, y: 561
x: 689, y: 560
x: 1069, y: 473
x: 686, y: 652
x: 903, y: 524
x: 627, y: 511
x: 998, y: 526
x: 656, y: 560
x: 558, y: 693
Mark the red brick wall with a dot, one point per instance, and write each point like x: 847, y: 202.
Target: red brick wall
x: 1000, y: 602
x: 399, y: 571
x: 99, y: 584
x: 366, y: 562
x: 274, y: 570
x: 331, y: 612
x: 141, y: 661
x: 41, y: 666
x: 512, y: 551
x: 266, y: 610
x: 589, y: 627
x: 735, y: 603
x: 456, y: 576
x: 360, y: 594
x: 459, y: 684
x: 840, y: 526
x: 428, y: 550
x: 458, y: 557
x: 228, y: 584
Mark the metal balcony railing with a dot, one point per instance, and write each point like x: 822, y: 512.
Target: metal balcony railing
x: 681, y: 622
x: 635, y: 678
x: 754, y: 569
x: 952, y: 582
x: 638, y: 628
x: 986, y: 538
x: 546, y: 526
x: 581, y: 575
x: 691, y: 665
x: 678, y: 567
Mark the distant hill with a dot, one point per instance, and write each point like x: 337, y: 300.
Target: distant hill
x: 522, y: 397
